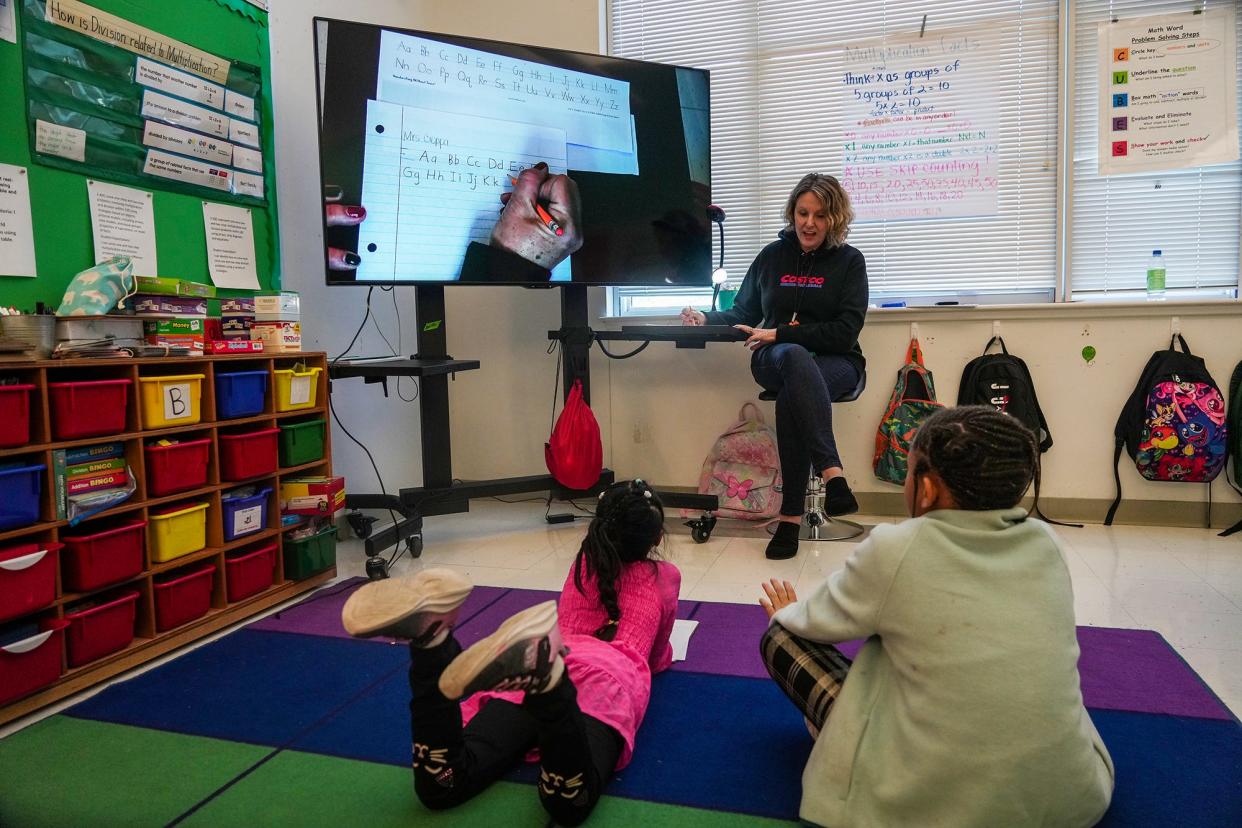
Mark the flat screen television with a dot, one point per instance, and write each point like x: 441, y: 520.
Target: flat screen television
x: 607, y: 162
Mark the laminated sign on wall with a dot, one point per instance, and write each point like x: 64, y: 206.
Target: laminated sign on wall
x: 116, y: 100
x: 1168, y: 92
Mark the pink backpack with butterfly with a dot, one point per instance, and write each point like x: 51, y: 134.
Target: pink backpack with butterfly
x: 743, y: 469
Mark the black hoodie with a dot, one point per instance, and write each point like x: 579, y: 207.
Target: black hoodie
x: 827, y: 288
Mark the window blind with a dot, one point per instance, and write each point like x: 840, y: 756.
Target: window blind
x: 778, y: 113
x: 1193, y: 216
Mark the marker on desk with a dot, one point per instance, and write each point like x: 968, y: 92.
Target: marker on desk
x: 544, y: 215
x: 893, y: 305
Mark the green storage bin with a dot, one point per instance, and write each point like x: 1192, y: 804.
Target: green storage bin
x: 301, y: 442
x: 308, y: 556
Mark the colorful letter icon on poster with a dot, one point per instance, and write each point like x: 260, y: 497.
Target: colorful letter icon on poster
x: 1119, y: 148
x: 1121, y: 55
x: 1121, y: 124
x: 1121, y: 99
x: 1121, y: 77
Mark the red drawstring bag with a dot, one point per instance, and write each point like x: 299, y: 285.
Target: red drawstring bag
x: 575, y: 453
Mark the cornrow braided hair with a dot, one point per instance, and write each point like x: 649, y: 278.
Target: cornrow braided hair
x: 988, y: 459
x: 627, y: 525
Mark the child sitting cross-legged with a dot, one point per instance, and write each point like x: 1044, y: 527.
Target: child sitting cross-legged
x: 963, y: 707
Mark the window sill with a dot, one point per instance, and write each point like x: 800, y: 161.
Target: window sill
x: 1049, y: 310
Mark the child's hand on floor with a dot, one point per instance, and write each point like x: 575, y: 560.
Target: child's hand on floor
x: 780, y: 595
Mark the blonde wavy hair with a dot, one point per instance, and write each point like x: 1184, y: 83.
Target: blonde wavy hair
x: 836, y: 202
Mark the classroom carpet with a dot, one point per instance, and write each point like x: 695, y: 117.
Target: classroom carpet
x: 288, y: 721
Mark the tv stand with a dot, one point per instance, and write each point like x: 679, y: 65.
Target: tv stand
x: 440, y: 493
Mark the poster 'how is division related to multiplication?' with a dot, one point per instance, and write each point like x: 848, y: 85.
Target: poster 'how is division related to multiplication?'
x: 1168, y: 92
x: 920, y: 138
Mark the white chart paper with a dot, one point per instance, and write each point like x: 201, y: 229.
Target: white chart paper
x: 230, y: 246
x: 123, y: 224
x: 17, y: 254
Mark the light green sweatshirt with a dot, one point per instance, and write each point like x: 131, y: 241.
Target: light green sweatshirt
x: 963, y: 708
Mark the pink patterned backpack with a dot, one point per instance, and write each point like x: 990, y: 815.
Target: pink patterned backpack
x: 743, y: 469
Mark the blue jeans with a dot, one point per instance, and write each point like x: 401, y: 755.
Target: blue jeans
x: 805, y: 385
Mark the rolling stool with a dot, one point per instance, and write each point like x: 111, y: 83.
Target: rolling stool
x: 817, y: 526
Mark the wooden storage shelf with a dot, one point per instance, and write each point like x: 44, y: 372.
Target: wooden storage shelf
x: 149, y: 644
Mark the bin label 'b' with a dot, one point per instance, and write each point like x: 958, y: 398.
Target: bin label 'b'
x: 177, y: 401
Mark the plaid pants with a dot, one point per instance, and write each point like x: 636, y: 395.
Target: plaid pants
x: 811, y: 674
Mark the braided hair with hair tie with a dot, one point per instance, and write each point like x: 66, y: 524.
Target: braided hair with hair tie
x: 628, y: 523
x: 986, y: 458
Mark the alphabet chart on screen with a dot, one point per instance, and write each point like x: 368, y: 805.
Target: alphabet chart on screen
x: 431, y: 184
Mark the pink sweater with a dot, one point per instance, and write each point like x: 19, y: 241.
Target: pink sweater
x: 613, y: 677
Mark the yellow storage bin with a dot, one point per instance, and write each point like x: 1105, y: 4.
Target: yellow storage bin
x: 296, y: 389
x: 171, y: 401
x: 178, y: 531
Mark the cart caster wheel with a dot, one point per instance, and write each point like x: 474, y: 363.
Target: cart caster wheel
x: 701, y: 528
x: 699, y: 534
x: 360, y: 524
x: 414, y: 545
x: 377, y: 568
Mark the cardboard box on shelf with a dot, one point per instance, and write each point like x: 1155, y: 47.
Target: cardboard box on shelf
x: 286, y: 305
x: 312, y: 495
x: 174, y: 287
x: 234, y: 346
x: 278, y: 337
x: 174, y: 327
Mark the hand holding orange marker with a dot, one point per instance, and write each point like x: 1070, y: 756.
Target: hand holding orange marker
x: 544, y: 215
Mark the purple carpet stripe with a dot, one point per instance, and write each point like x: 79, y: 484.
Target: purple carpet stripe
x: 1138, y: 671
x: 485, y: 623
x: 726, y: 641
x: 1130, y: 670
x: 322, y: 616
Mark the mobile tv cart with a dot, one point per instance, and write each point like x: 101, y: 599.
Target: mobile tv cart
x: 440, y: 494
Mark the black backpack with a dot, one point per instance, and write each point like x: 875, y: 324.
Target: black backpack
x: 1004, y: 382
x: 1147, y: 428
x: 1234, y: 424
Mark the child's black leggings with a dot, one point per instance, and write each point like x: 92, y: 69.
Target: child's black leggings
x: 452, y: 764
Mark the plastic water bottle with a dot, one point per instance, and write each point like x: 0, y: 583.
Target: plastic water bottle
x: 1155, y: 277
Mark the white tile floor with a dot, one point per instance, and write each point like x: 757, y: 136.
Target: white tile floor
x: 1184, y: 583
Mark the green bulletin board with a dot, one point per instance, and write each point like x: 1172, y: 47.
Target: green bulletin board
x: 232, y: 29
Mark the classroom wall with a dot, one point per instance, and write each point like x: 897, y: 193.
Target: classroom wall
x: 660, y: 411
x: 388, y: 427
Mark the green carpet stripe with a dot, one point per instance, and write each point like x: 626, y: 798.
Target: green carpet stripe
x: 308, y: 790
x: 64, y: 771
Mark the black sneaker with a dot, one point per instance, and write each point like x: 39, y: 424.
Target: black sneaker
x: 784, y: 543
x: 838, y: 499
x: 523, y: 654
x: 421, y: 608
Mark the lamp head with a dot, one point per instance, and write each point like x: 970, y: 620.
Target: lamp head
x: 719, y: 276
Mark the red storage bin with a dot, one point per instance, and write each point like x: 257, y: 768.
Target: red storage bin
x: 31, y: 664
x: 177, y: 468
x: 184, y: 598
x: 96, y: 631
x: 14, y: 415
x: 87, y: 409
x: 250, y: 572
x: 248, y: 455
x: 27, y: 578
x: 105, y: 556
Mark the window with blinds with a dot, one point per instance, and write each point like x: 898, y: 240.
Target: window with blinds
x: 778, y: 113
x: 1193, y: 216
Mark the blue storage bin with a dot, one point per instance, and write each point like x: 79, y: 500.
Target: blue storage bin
x: 245, y: 515
x: 240, y: 394
x: 20, y: 490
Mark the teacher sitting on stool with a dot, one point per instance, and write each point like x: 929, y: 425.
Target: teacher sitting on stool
x: 803, y: 303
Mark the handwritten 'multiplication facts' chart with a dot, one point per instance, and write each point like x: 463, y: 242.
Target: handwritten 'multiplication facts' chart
x: 921, y: 132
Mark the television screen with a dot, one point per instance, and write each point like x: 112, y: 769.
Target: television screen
x: 481, y: 162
